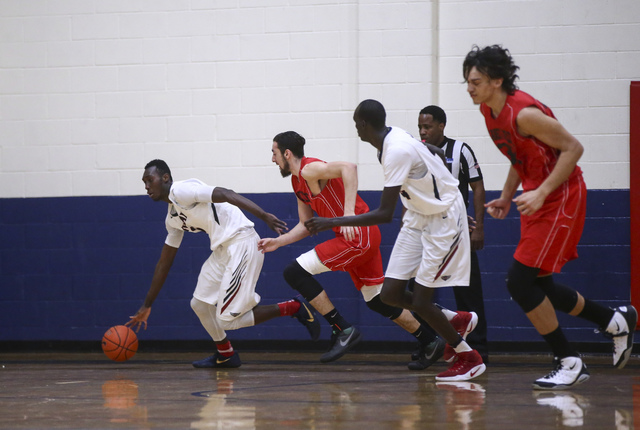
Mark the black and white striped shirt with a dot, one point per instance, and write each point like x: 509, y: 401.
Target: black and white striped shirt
x: 462, y: 163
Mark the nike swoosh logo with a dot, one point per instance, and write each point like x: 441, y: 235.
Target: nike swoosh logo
x: 218, y: 361
x: 346, y: 341
x: 430, y: 356
x: 573, y: 367
x: 473, y: 373
x: 310, y: 318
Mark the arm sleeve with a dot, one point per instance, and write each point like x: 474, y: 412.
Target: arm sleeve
x: 188, y: 193
x: 174, y: 236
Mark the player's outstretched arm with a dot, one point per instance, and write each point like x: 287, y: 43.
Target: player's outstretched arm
x: 381, y: 215
x: 163, y: 266
x: 299, y: 232
x: 220, y: 195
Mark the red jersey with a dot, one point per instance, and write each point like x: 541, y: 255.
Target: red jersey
x: 330, y: 202
x: 531, y: 158
x: 548, y: 238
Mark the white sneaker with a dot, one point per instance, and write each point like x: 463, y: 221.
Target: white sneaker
x: 569, y: 371
x: 621, y: 328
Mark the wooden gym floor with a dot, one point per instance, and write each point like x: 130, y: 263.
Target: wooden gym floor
x: 295, y: 391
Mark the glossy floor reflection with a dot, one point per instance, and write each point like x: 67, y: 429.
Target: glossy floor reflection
x: 295, y: 391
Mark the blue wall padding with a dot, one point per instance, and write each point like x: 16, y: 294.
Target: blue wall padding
x: 72, y: 267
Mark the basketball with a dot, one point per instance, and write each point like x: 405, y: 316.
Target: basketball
x: 120, y: 343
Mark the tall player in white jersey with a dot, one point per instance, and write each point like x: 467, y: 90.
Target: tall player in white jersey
x: 225, y: 296
x: 433, y: 243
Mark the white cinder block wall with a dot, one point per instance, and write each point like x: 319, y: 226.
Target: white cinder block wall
x: 90, y: 90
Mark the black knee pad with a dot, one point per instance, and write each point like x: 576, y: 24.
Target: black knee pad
x: 302, y: 281
x: 522, y: 287
x: 383, y: 309
x: 562, y: 297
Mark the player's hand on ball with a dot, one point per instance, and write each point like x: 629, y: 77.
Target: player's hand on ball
x: 139, y: 319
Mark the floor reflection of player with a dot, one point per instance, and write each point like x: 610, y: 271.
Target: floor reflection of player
x: 121, y: 397
x: 462, y: 400
x: 216, y: 413
x: 571, y: 406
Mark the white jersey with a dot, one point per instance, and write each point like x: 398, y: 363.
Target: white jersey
x: 191, y: 210
x: 427, y: 185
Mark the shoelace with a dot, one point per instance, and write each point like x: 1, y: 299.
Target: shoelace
x: 554, y: 371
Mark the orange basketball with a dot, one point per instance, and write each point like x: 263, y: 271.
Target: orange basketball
x: 120, y: 343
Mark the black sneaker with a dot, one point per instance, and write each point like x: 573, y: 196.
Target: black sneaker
x: 307, y: 318
x: 341, y: 342
x: 427, y: 354
x: 218, y: 360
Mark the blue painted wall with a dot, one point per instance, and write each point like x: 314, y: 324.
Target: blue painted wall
x: 72, y: 267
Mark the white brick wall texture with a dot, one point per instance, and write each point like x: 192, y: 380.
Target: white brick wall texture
x: 91, y: 90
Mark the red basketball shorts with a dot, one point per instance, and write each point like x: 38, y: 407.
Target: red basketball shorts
x: 360, y: 257
x: 549, y: 238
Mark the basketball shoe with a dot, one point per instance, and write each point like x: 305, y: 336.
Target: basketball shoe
x: 307, y: 318
x: 427, y: 354
x: 621, y: 329
x: 341, y: 343
x: 464, y: 323
x: 569, y: 371
x: 469, y: 365
x: 218, y: 360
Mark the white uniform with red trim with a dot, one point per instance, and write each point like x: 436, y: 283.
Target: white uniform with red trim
x: 433, y: 244
x: 228, y: 278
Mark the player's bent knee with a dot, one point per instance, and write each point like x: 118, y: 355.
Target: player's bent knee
x: 199, y: 307
x: 387, y: 311
x: 302, y: 281
x: 523, y: 290
x: 562, y: 298
x: 228, y: 322
x: 389, y: 297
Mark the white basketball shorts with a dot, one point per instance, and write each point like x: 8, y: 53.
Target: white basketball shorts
x: 434, y: 248
x: 229, y: 276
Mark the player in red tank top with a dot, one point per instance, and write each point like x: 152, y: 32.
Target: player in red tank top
x: 552, y: 206
x: 330, y: 189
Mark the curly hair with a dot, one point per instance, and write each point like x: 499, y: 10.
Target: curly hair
x: 495, y: 62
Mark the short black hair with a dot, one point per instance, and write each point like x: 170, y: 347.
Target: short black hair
x: 495, y: 62
x: 161, y: 166
x: 372, y: 112
x: 436, y: 112
x: 292, y: 141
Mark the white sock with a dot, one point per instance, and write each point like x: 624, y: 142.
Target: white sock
x: 462, y: 347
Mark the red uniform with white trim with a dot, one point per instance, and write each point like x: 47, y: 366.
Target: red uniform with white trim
x: 360, y: 257
x: 548, y: 238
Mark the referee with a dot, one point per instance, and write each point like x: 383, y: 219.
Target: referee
x: 462, y: 163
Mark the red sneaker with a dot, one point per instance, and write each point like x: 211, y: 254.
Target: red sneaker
x: 464, y: 323
x: 468, y: 366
